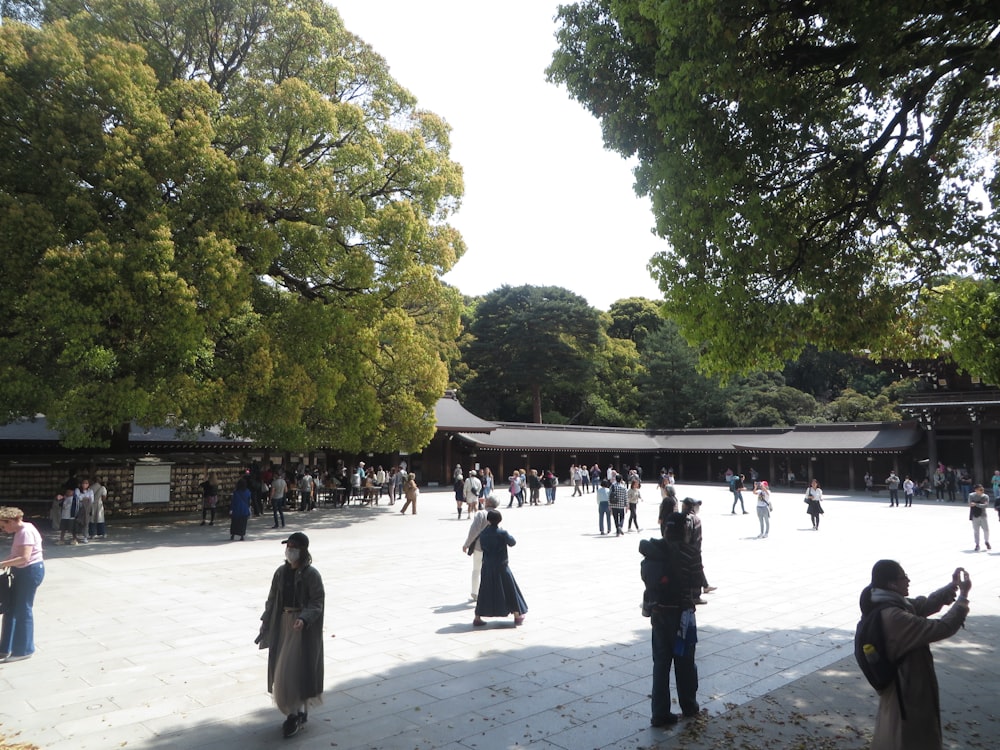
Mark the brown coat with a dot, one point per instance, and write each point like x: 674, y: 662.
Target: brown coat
x: 310, y: 596
x: 911, y: 633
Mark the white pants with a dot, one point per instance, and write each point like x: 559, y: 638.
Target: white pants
x: 477, y: 567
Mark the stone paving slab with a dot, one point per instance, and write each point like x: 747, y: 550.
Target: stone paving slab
x: 145, y: 640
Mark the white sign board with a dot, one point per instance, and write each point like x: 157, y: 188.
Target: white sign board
x: 151, y: 484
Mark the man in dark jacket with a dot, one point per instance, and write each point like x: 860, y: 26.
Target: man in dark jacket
x: 671, y: 570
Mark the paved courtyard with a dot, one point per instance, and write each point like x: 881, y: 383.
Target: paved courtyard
x: 146, y: 640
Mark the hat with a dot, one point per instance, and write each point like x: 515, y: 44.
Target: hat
x: 472, y: 472
x: 298, y: 539
x: 674, y: 526
x: 691, y: 501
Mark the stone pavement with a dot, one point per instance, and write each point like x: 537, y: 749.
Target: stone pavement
x: 146, y: 640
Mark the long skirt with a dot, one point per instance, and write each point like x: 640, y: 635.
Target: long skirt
x: 238, y: 526
x: 288, y: 677
x: 499, y: 594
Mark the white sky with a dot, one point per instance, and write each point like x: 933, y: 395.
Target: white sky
x: 544, y: 203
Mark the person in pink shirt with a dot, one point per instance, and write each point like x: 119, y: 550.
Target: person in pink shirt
x: 17, y: 638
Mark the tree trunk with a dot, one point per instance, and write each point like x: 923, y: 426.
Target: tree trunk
x: 536, y: 403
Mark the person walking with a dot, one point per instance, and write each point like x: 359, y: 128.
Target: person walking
x: 472, y: 546
x: 410, y: 492
x: 534, y: 487
x: 995, y: 482
x: 604, y: 505
x: 979, y: 503
x: 738, y: 487
x: 239, y: 510
x: 72, y: 511
x: 499, y: 594
x: 470, y: 490
x: 96, y: 526
x: 763, y: 494
x: 669, y: 571
x: 619, y: 499
x: 279, y: 491
x: 690, y: 509
x: 292, y: 631
x: 17, y: 636
x: 210, y: 498
x: 909, y: 488
x: 459, y: 487
x: 634, y: 498
x: 814, y: 507
x: 909, y: 715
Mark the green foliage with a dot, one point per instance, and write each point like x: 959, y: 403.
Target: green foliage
x: 673, y: 394
x: 965, y: 317
x: 532, y: 349
x: 814, y: 167
x: 615, y: 400
x: 851, y: 406
x: 764, y: 400
x: 634, y: 319
x: 221, y: 214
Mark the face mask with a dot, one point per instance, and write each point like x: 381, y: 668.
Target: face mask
x: 292, y: 554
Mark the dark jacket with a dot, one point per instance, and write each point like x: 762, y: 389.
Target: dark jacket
x: 310, y: 597
x: 681, y: 564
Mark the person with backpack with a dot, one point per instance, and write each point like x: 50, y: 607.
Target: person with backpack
x: 671, y: 572
x: 892, y: 646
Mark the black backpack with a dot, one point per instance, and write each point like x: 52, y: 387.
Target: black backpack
x: 659, y: 574
x: 872, y: 655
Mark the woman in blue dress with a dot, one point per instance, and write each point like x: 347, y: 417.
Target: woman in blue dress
x: 499, y: 595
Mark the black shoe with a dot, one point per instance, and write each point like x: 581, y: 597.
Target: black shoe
x: 665, y: 721
x: 291, y: 726
x: 303, y: 717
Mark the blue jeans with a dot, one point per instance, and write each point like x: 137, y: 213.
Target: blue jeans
x: 665, y: 624
x: 18, y: 635
x: 604, y: 511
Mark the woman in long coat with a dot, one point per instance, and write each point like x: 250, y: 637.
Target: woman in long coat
x: 499, y: 594
x: 239, y: 511
x: 292, y: 628
x: 908, y: 633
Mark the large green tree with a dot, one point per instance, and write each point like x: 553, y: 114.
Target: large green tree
x: 814, y: 167
x: 673, y: 393
x: 634, y: 319
x: 220, y: 213
x: 532, y: 354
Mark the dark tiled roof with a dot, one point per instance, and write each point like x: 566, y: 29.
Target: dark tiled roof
x: 451, y: 416
x: 37, y: 430
x: 529, y: 437
x: 854, y: 438
x: 832, y: 438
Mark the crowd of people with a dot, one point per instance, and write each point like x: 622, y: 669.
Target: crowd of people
x: 672, y: 569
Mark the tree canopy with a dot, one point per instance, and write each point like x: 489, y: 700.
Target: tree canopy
x: 532, y: 350
x: 824, y: 173
x: 220, y: 214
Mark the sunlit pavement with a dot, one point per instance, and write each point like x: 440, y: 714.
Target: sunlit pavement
x: 146, y: 640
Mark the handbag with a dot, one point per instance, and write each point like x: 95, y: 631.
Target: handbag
x: 6, y: 586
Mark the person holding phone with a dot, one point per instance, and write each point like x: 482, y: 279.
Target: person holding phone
x: 910, y: 719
